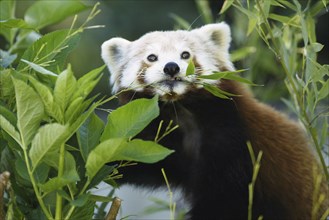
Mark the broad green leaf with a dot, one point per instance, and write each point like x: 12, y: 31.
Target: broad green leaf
x: 143, y: 151
x: 51, y: 108
x: 9, y: 115
x: 87, y: 82
x: 74, y: 126
x: 58, y: 182
x: 21, y: 169
x: 52, y: 159
x: 30, y: 111
x: 130, y: 119
x: 81, y: 200
x: 190, y: 70
x: 75, y: 108
x: 102, y: 154
x: 7, y: 89
x: 7, y: 11
x: 64, y: 88
x: 13, y: 23
x: 39, y: 68
x: 48, y: 138
x: 89, y: 134
x: 85, y: 212
x: 43, y: 13
x: 50, y: 50
x: 10, y: 129
x: 119, y: 149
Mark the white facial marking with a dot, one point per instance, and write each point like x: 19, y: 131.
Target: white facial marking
x: 141, y: 63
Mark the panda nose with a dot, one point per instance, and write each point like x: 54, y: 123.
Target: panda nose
x: 171, y: 69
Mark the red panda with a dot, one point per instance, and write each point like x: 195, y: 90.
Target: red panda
x: 212, y: 163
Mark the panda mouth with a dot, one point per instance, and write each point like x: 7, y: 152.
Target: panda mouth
x: 171, y: 82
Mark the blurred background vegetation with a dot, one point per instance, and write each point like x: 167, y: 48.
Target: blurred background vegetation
x: 131, y: 19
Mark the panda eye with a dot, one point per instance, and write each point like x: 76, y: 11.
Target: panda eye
x: 152, y: 58
x: 185, y: 55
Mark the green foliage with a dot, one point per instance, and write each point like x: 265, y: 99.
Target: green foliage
x: 53, y: 144
x: 306, y: 79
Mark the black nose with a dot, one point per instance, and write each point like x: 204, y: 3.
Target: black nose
x: 171, y: 69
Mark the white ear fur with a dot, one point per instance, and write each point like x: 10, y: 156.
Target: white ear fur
x: 219, y: 34
x: 114, y: 54
x: 114, y: 51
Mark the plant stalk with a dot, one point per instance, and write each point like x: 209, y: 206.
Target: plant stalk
x: 298, y: 99
x: 59, y: 200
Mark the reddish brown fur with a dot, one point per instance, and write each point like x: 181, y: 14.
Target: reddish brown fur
x: 288, y: 166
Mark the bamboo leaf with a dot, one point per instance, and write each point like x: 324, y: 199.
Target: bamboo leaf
x: 39, y: 68
x: 190, y: 70
x: 227, y: 4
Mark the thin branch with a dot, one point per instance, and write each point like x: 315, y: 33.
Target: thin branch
x: 113, y: 212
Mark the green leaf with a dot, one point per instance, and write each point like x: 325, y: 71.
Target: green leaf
x: 143, y: 151
x: 119, y: 149
x: 81, y: 200
x: 190, y: 70
x: 215, y: 91
x: 13, y: 23
x: 51, y: 108
x: 102, y: 154
x: 87, y: 82
x: 50, y: 50
x: 182, y: 23
x: 220, y: 75
x: 10, y: 129
x: 30, y: 111
x: 130, y: 119
x: 324, y: 91
x: 64, y: 88
x: 43, y: 13
x: 85, y: 212
x: 48, y: 138
x: 205, y: 11
x: 227, y: 4
x: 7, y: 11
x: 7, y: 89
x: 39, y: 68
x: 89, y: 134
x: 58, y: 182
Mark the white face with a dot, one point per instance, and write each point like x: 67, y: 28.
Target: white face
x: 157, y: 62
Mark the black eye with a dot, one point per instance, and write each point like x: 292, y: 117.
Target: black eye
x: 152, y: 58
x: 185, y: 55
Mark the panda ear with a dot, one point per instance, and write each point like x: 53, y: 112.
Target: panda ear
x: 114, y: 52
x: 219, y: 34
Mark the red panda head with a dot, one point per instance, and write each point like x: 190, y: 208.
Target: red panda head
x: 157, y: 62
